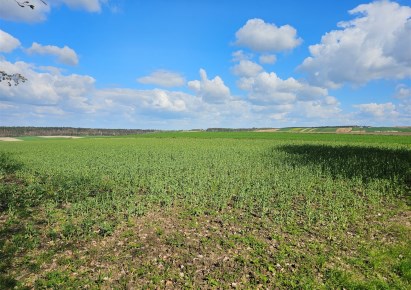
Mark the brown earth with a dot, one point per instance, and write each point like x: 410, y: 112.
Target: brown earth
x: 344, y: 130
x: 72, y: 137
x: 9, y: 139
x: 266, y: 130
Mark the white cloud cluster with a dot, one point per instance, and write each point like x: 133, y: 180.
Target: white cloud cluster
x: 45, y: 88
x: 7, y: 42
x: 49, y: 93
x: 268, y: 88
x: 374, y: 45
x: 163, y: 78
x: 13, y: 12
x: 379, y: 111
x: 264, y: 37
x: 267, y: 58
x: 211, y: 91
x: 65, y: 55
x: 402, y: 92
x: 247, y: 68
x: 145, y: 100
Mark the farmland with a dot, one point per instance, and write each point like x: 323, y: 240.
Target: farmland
x: 206, y: 209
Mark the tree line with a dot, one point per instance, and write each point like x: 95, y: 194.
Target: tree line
x: 67, y: 131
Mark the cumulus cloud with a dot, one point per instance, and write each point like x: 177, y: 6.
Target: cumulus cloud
x: 379, y: 111
x: 13, y: 12
x: 51, y: 92
x: 262, y: 37
x: 47, y: 88
x: 246, y: 68
x: 267, y: 59
x: 65, y: 55
x: 324, y: 108
x: 374, y: 45
x: 211, y: 91
x: 151, y: 100
x: 402, y: 92
x: 268, y: 88
x: 7, y: 42
x: 163, y: 78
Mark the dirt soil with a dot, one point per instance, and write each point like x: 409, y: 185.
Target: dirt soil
x: 266, y: 130
x: 10, y: 139
x: 73, y: 137
x: 344, y: 130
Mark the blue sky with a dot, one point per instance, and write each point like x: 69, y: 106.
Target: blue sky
x: 198, y: 64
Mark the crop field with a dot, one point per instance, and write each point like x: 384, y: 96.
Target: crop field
x: 244, y: 210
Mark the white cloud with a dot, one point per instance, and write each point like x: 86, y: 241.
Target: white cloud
x: 240, y: 55
x: 143, y: 100
x: 262, y: 37
x: 6, y: 106
x: 404, y: 108
x: 53, y: 92
x: 247, y: 68
x: 163, y: 78
x: 268, y: 88
x: 7, y: 42
x: 46, y: 110
x: 326, y: 108
x: 211, y: 91
x: 374, y: 45
x: 379, y: 111
x: 47, y: 88
x: 13, y: 12
x: 65, y: 55
x: 402, y: 92
x: 288, y: 100
x: 267, y: 59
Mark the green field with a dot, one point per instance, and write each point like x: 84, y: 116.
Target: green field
x: 242, y: 210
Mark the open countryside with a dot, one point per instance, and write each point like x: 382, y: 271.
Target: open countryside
x: 207, y: 210
x: 152, y: 144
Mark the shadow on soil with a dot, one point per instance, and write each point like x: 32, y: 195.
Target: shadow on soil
x: 7, y: 167
x: 21, y: 219
x: 366, y: 163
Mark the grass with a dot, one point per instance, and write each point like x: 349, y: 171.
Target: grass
x: 202, y: 210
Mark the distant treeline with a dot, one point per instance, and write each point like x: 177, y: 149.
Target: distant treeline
x: 66, y: 131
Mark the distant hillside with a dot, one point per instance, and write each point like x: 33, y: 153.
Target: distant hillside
x: 69, y: 131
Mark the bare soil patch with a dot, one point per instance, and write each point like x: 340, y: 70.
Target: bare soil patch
x: 9, y: 139
x: 72, y: 137
x: 266, y: 130
x: 344, y: 130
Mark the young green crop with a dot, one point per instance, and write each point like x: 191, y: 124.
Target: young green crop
x: 85, y: 188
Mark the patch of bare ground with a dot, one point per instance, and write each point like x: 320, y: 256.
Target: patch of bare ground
x: 267, y: 130
x: 173, y: 249
x: 69, y: 137
x: 167, y: 250
x: 9, y: 139
x: 344, y: 130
